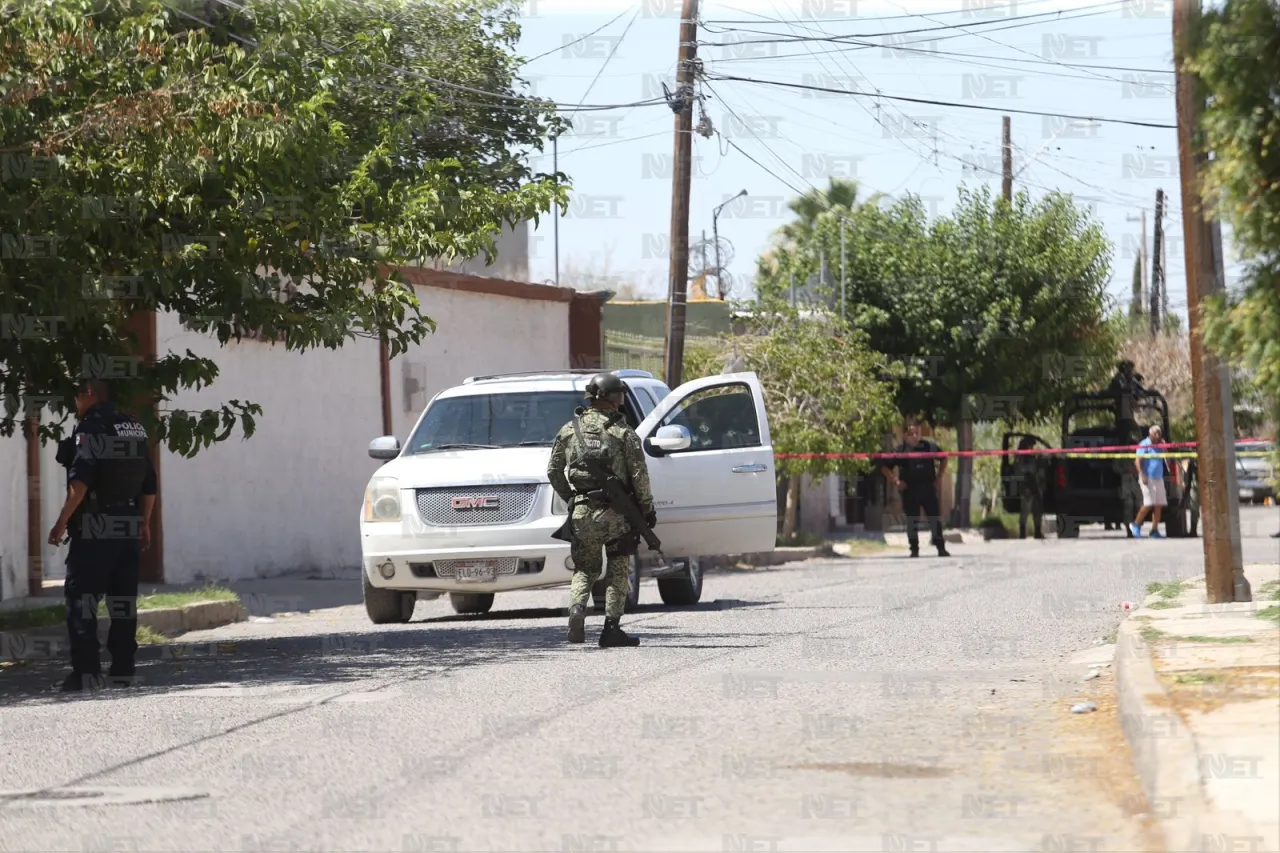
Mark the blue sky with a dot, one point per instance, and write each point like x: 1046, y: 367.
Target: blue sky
x: 995, y: 57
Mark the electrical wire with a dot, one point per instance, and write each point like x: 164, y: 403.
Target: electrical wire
x: 518, y: 102
x: 944, y: 27
x: 938, y: 103
x: 1013, y: 5
x: 984, y: 37
x: 864, y: 45
x: 577, y: 40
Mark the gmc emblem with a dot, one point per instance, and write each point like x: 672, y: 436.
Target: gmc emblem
x: 489, y: 502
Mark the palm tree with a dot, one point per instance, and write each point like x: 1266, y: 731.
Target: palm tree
x: 839, y: 199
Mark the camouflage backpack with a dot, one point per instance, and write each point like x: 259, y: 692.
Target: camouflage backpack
x: 591, y: 441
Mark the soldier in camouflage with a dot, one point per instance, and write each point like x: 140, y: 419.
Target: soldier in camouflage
x: 601, y: 434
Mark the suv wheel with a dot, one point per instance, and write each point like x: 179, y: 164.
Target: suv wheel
x: 471, y: 602
x: 387, y: 606
x: 633, y: 590
x: 685, y: 591
x: 1068, y: 528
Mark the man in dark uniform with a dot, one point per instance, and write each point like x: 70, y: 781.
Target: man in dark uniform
x: 107, y: 513
x: 1031, y: 485
x: 917, y: 479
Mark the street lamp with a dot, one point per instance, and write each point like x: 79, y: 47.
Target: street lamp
x: 715, y: 236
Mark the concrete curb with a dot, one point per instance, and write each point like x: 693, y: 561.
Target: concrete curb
x: 200, y: 616
x: 776, y: 557
x: 1165, y: 752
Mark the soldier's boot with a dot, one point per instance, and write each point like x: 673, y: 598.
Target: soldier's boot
x: 577, y: 623
x: 614, y: 637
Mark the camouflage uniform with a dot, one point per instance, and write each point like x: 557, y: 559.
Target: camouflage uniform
x: 597, y: 526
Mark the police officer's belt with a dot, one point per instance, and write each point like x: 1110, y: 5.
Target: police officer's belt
x: 96, y: 505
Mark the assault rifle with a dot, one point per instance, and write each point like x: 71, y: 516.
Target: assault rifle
x: 618, y: 497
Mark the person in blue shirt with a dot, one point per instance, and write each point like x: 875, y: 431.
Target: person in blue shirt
x: 1151, y: 473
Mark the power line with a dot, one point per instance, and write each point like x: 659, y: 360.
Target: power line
x: 519, y: 101
x: 937, y: 103
x: 864, y: 45
x: 577, y: 40
x: 1013, y: 5
x: 1002, y: 44
x: 943, y: 27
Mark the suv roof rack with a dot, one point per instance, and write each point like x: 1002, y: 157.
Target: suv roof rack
x: 625, y: 373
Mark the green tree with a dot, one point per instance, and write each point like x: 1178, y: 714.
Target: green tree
x: 248, y: 168
x: 823, y: 391
x: 1236, y: 58
x: 997, y: 311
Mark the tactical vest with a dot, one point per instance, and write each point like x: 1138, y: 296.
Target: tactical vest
x: 595, y: 444
x: 122, y: 465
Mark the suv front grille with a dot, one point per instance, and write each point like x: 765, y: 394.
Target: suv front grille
x: 503, y: 503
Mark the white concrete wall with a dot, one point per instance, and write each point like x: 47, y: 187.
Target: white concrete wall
x: 13, y: 512
x: 477, y: 334
x: 13, y: 517
x: 815, y: 505
x: 287, y: 500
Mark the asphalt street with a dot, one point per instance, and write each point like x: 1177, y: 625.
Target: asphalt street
x: 869, y: 704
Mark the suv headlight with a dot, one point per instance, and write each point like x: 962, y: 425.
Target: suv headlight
x: 558, y: 504
x: 382, y: 500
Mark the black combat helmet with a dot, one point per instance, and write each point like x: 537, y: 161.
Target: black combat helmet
x: 603, y: 385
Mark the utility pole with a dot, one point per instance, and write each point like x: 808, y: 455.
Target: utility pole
x: 1215, y: 428
x: 680, y: 178
x: 1157, y: 268
x: 1007, y: 157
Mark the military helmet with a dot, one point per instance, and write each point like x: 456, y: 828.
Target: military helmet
x: 603, y: 385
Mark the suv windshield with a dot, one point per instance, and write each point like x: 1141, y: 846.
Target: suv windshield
x: 494, y: 420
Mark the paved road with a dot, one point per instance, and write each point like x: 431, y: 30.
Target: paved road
x: 872, y: 704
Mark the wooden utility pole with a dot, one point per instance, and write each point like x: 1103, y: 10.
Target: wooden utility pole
x: 1155, y: 306
x: 1142, y: 255
x: 1215, y: 430
x: 681, y: 173
x: 1007, y: 157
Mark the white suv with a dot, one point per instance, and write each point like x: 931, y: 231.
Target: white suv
x: 465, y: 506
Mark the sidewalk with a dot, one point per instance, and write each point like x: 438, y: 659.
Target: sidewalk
x: 1199, y: 696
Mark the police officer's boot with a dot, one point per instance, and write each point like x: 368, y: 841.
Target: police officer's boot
x: 614, y: 637
x: 577, y: 623
x: 76, y: 682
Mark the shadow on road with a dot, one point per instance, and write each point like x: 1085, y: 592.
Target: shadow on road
x: 330, y: 659
x: 417, y: 650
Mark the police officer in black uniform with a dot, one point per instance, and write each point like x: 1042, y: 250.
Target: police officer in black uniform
x: 917, y: 479
x: 111, y: 487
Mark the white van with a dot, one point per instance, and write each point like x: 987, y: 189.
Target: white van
x: 465, y: 507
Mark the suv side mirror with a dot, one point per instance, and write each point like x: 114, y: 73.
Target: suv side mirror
x: 386, y: 447
x: 671, y: 438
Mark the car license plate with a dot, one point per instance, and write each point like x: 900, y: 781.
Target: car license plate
x: 476, y: 571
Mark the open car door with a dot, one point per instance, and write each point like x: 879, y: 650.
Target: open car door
x: 710, y: 461
x: 1009, y: 494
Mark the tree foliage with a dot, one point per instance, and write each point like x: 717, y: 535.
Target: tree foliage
x: 1238, y: 45
x: 994, y: 302
x: 249, y: 168
x: 822, y: 384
